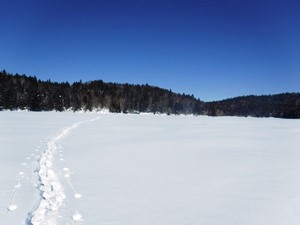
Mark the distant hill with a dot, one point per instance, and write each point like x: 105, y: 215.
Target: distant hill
x: 26, y: 92
x: 280, y: 105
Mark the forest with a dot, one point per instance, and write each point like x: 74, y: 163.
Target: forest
x: 26, y: 92
x: 30, y: 93
x: 286, y: 105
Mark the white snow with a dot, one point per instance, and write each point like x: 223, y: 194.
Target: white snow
x: 12, y: 207
x: 148, y: 169
x: 77, y: 195
x: 77, y: 217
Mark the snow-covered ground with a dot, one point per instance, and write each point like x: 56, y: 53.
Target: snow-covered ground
x: 113, y: 169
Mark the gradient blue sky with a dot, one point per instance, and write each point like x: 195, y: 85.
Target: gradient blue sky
x: 214, y: 49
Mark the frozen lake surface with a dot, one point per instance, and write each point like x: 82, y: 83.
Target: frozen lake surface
x: 114, y: 169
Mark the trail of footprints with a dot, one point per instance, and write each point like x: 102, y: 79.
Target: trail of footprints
x: 31, y: 170
x: 24, y: 175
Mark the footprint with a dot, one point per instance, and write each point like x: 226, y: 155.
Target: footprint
x: 48, y: 163
x: 77, y: 217
x: 77, y: 196
x: 12, y: 207
x: 17, y: 185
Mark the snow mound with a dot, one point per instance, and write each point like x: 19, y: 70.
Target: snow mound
x: 12, y: 207
x: 77, y: 217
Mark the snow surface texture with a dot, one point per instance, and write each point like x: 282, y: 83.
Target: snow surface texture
x: 52, y: 191
x: 146, y: 169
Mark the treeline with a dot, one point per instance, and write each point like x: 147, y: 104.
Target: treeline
x: 281, y: 106
x: 26, y: 92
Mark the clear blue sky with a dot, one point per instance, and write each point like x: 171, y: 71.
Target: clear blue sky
x: 213, y: 49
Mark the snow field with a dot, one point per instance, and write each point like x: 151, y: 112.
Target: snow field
x: 143, y: 169
x: 146, y: 169
x: 35, y: 182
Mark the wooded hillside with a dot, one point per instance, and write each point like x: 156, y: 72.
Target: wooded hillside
x: 23, y: 92
x: 26, y: 92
